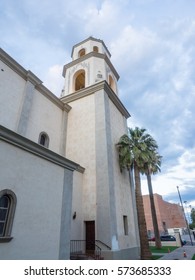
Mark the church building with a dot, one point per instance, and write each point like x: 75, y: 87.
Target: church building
x: 62, y: 195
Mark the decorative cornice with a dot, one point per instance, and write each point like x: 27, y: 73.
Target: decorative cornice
x: 80, y: 169
x: 112, y: 95
x: 82, y: 92
x: 36, y: 149
x: 93, y: 89
x: 89, y: 55
x: 14, y: 65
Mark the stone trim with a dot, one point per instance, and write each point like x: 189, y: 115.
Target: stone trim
x: 80, y: 169
x: 94, y: 88
x: 66, y: 210
x: 116, y: 101
x: 36, y: 149
x: 26, y: 107
x: 89, y: 55
x: 5, y: 239
x: 16, y: 67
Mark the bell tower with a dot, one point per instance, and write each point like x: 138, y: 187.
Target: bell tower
x: 97, y: 119
x: 90, y: 65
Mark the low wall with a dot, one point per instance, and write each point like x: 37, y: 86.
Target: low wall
x: 170, y: 243
x: 165, y: 243
x: 125, y: 254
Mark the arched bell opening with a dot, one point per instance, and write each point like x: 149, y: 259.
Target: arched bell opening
x: 95, y: 49
x: 111, y: 83
x: 79, y: 80
x: 81, y: 53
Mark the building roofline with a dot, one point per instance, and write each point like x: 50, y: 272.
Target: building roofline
x: 89, y: 55
x: 27, y: 75
x: 88, y: 39
x: 94, y: 88
x: 26, y: 144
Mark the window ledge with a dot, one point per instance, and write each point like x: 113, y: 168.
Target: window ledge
x: 5, y: 239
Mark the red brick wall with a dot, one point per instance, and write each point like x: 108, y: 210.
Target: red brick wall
x: 170, y: 214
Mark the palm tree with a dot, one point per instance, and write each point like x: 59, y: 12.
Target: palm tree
x: 153, y: 167
x: 134, y: 152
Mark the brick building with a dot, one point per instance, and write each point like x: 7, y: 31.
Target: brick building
x: 170, y: 216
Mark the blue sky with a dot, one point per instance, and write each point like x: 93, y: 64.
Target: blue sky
x: 152, y: 43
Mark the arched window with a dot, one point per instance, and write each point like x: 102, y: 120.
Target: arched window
x: 7, y: 211
x: 95, y: 49
x: 4, y: 211
x: 81, y: 52
x: 79, y: 80
x: 44, y: 139
x: 112, y: 83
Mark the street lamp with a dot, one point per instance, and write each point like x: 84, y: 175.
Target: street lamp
x: 185, y: 216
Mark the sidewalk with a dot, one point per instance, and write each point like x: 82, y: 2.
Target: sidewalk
x: 182, y: 253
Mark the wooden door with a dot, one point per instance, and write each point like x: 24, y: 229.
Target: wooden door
x: 90, y: 236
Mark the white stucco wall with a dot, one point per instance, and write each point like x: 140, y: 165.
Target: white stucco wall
x: 94, y: 127
x: 11, y: 96
x: 29, y: 111
x: 77, y: 224
x: 93, y: 67
x: 123, y: 190
x: 38, y: 185
x: 81, y: 148
x: 45, y: 116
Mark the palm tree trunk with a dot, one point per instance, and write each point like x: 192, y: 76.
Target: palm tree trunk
x: 144, y: 244
x: 153, y: 212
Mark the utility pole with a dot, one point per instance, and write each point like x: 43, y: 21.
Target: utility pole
x: 184, y: 216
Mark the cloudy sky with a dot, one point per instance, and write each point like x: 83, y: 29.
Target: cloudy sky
x: 152, y: 43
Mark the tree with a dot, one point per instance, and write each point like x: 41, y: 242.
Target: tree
x: 192, y: 215
x: 135, y: 152
x: 153, y: 167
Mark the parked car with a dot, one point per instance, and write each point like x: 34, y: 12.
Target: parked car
x: 167, y: 238
x: 164, y: 238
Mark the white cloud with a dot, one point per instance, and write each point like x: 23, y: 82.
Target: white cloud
x: 105, y: 19
x: 54, y: 80
x: 132, y: 47
x: 182, y: 175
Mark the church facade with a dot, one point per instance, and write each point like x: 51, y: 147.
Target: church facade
x: 61, y: 189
